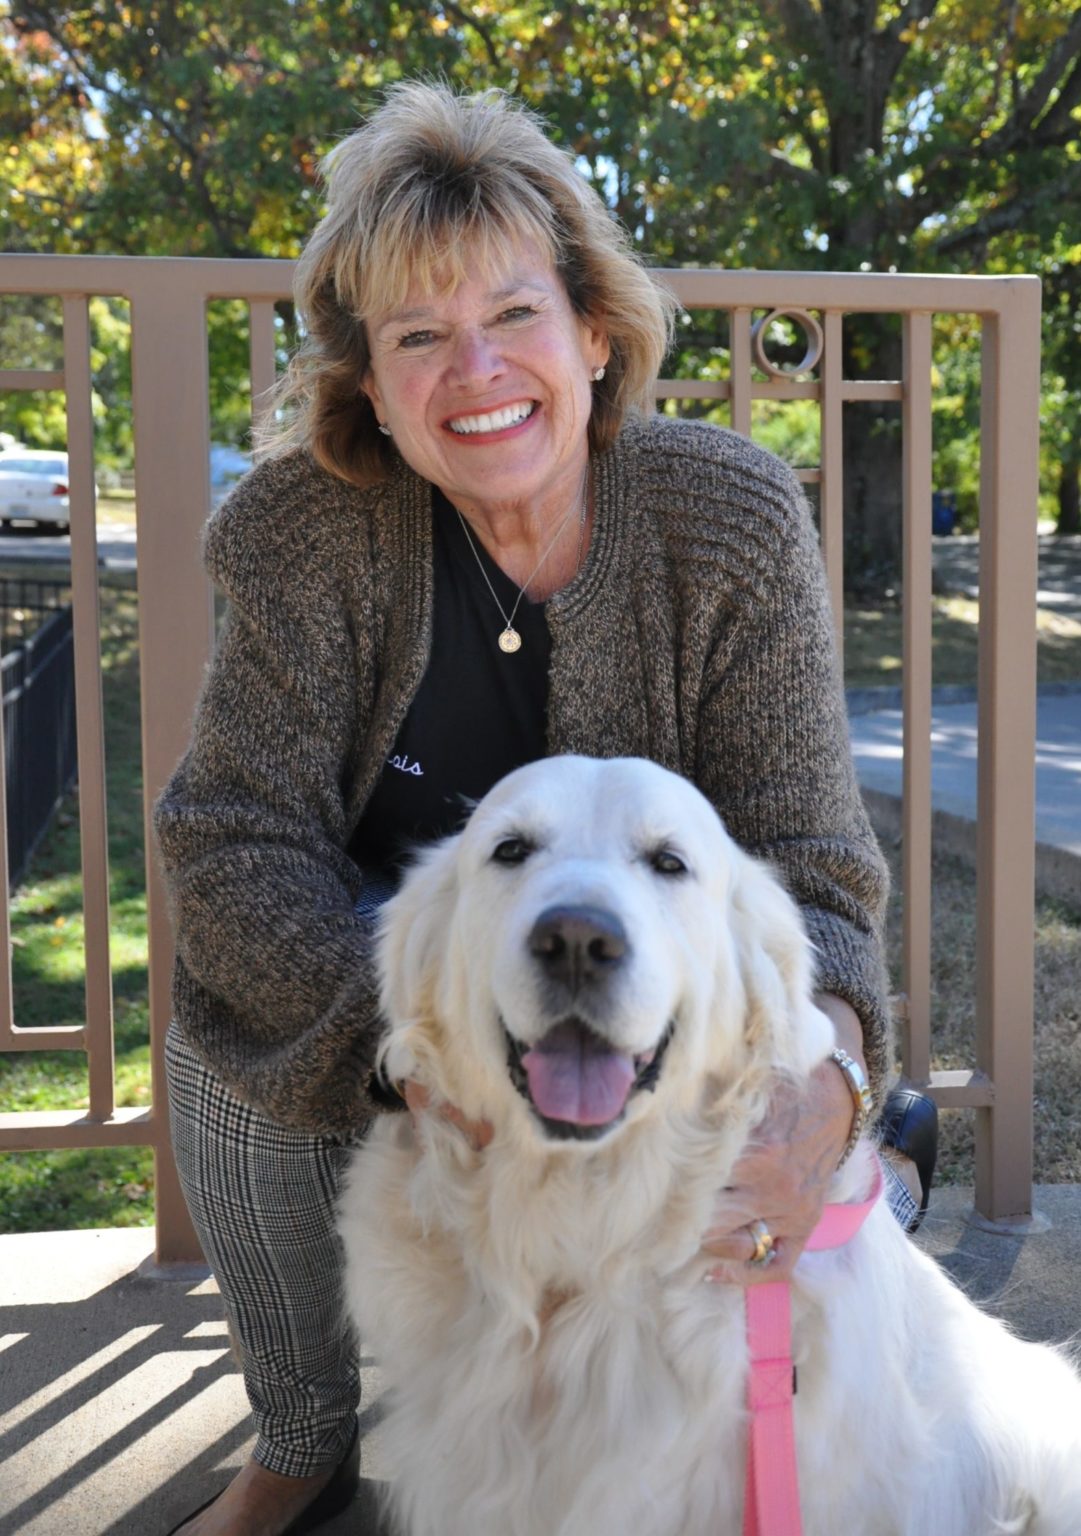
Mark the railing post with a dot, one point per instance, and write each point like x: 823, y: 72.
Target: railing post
x: 1005, y: 861
x: 172, y: 496
x: 916, y: 791
x: 831, y: 492
x: 93, y: 824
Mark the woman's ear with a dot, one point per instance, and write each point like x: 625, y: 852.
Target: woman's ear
x: 596, y: 346
x: 370, y: 388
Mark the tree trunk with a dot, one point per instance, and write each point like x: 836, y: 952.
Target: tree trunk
x: 872, y: 464
x: 1069, y: 497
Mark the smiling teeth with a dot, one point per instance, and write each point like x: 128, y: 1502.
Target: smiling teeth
x: 494, y: 421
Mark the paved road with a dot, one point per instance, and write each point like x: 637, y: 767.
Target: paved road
x: 877, y: 733
x: 877, y: 746
x: 116, y: 547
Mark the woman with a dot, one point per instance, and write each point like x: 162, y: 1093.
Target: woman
x: 477, y: 547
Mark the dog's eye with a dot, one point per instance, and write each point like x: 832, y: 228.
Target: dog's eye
x: 665, y: 862
x: 512, y: 850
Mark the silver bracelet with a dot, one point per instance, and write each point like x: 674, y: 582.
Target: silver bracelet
x: 862, y: 1099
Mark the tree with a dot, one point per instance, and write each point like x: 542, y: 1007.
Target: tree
x: 843, y: 134
x: 939, y: 135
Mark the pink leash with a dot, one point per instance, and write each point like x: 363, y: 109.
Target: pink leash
x: 771, y: 1499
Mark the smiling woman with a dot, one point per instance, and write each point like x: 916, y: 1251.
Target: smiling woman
x: 473, y: 546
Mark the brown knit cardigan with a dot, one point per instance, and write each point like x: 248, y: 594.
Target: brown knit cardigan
x: 697, y: 633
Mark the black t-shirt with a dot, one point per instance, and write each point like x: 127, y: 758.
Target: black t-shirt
x: 477, y: 714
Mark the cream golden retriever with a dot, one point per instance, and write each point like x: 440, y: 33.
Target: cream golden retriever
x: 594, y: 968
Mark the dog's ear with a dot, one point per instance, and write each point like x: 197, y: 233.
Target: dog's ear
x: 411, y: 941
x: 775, y: 961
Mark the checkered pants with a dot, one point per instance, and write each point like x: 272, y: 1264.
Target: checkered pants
x: 262, y: 1198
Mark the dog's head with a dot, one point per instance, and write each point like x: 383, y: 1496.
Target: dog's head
x: 591, y: 947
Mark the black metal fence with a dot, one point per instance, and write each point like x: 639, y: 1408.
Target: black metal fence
x: 37, y: 681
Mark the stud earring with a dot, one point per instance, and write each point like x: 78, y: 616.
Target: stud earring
x: 598, y: 375
x: 384, y: 429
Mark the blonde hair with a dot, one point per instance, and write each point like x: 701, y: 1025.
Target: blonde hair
x: 431, y: 185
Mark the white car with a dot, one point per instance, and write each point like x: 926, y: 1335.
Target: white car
x: 34, y: 487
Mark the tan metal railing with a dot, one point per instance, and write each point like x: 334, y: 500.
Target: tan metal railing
x: 168, y: 301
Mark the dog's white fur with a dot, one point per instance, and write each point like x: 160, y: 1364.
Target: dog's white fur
x: 556, y: 1363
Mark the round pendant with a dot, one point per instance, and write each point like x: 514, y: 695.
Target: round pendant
x: 510, y: 641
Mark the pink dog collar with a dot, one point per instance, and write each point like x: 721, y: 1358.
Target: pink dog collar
x: 771, y: 1498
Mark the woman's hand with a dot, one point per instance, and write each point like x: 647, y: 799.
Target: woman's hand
x: 783, y: 1177
x: 478, y: 1133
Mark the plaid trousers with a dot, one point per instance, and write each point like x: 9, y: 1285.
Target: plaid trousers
x: 262, y: 1198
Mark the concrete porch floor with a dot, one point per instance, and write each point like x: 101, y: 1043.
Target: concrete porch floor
x: 121, y: 1408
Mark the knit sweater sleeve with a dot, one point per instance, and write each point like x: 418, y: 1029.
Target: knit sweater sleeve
x: 774, y: 750
x: 274, y: 980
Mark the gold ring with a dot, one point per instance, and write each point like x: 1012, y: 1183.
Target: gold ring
x: 763, y: 1245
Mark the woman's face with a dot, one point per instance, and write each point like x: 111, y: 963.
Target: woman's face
x: 487, y: 387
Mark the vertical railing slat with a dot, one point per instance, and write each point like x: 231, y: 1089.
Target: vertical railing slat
x: 1005, y: 868
x: 172, y: 496
x: 263, y: 360
x: 7, y: 1004
x: 739, y: 352
x: 89, y: 720
x: 831, y: 491
x: 916, y: 678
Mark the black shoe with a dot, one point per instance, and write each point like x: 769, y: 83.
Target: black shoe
x: 909, y: 1125
x: 338, y: 1494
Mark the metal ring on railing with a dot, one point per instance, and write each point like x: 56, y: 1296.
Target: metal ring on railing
x: 812, y: 330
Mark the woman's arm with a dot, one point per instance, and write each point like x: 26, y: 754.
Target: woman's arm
x: 774, y: 757
x: 274, y: 979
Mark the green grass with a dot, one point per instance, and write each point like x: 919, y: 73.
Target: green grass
x: 99, y: 1187
x: 114, y: 1187
x: 117, y: 507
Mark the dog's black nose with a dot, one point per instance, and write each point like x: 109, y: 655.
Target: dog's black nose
x: 577, y: 944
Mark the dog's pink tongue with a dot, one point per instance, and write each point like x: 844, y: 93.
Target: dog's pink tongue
x: 574, y: 1076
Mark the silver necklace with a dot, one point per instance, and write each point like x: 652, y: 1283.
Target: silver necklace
x: 509, y: 638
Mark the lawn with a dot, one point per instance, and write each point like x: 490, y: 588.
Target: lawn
x: 873, y: 644
x: 99, y: 1187
x: 1057, y: 1017
x: 117, y: 507
x: 51, y: 1190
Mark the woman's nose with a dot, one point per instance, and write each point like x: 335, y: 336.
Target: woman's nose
x: 475, y: 357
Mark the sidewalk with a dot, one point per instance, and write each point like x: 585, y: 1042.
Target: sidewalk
x: 876, y: 726
x: 121, y: 1408
x: 877, y: 737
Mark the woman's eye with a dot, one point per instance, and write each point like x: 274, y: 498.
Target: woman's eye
x: 416, y: 339
x: 512, y: 850
x: 518, y: 312
x: 664, y: 862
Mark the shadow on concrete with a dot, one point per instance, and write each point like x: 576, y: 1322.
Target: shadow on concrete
x: 121, y: 1408
x: 1028, y: 1281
